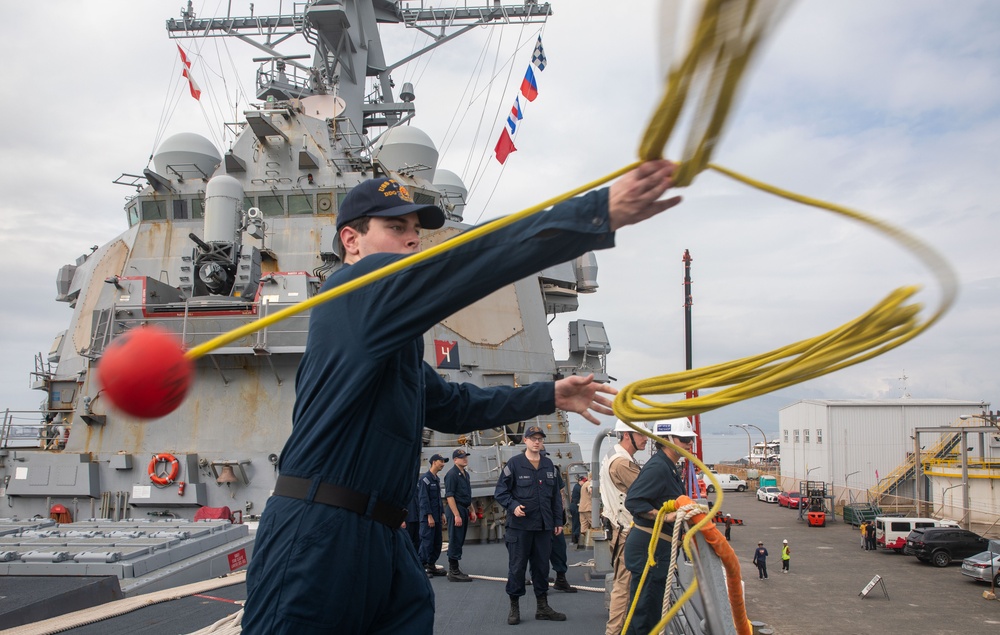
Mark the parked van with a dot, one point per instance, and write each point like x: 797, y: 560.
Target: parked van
x: 891, y: 533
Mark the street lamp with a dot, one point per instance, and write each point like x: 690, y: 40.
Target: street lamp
x: 945, y: 491
x: 749, y: 440
x: 810, y: 470
x: 765, y: 439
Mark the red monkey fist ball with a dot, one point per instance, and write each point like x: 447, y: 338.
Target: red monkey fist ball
x: 145, y: 373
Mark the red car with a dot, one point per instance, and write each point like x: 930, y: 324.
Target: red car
x: 791, y: 500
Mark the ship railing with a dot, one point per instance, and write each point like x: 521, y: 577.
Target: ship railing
x: 32, y: 430
x: 199, y: 324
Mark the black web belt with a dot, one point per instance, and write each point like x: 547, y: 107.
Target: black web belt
x: 337, y: 496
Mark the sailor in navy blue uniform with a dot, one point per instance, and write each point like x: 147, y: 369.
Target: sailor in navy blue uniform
x: 329, y: 555
x: 431, y: 516
x: 658, y: 481
x: 529, y: 489
x: 458, y: 511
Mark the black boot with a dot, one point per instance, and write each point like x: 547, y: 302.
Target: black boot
x: 433, y: 569
x: 562, y: 584
x: 455, y: 574
x: 514, y: 617
x: 545, y: 612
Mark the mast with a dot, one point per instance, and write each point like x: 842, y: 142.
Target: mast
x: 696, y: 420
x: 348, y: 50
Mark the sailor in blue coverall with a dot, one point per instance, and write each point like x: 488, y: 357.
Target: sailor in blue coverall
x: 431, y: 516
x: 529, y: 489
x: 329, y: 555
x: 658, y: 481
x: 458, y: 511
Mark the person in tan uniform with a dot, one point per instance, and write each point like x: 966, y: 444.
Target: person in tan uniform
x: 586, y: 513
x: 618, y: 471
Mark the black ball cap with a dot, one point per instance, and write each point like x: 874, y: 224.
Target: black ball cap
x: 387, y: 198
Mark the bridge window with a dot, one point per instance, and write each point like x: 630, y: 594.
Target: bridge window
x: 154, y: 210
x: 796, y: 433
x: 133, y: 214
x: 819, y: 435
x: 805, y: 435
x: 299, y: 204
x: 180, y: 209
x: 271, y: 205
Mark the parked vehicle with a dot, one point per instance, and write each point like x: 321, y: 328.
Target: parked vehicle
x: 941, y: 545
x: 791, y: 500
x: 768, y: 494
x: 891, y: 533
x: 983, y: 567
x: 728, y: 482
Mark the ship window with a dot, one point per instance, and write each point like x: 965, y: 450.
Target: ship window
x: 423, y: 199
x: 180, y: 209
x: 299, y: 204
x: 133, y: 214
x: 197, y: 208
x: 784, y: 435
x: 796, y: 434
x: 271, y: 205
x: 805, y: 435
x: 154, y: 210
x: 819, y: 436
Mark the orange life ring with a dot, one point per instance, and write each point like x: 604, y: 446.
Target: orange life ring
x: 175, y: 468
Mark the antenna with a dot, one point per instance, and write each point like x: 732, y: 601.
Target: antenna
x: 906, y: 393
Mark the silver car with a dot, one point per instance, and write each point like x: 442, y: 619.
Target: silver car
x: 982, y: 567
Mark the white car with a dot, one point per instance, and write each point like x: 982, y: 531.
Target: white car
x: 728, y: 482
x: 768, y: 494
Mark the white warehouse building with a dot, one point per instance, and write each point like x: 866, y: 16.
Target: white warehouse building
x: 855, y: 444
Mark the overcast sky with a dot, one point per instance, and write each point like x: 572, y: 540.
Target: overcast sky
x: 888, y: 107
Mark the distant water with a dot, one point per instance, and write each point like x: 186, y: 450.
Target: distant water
x: 716, y: 448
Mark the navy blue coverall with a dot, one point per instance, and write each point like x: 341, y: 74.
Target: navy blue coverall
x: 658, y: 482
x: 559, y: 557
x: 429, y: 501
x: 459, y: 487
x: 363, y: 396
x: 529, y: 537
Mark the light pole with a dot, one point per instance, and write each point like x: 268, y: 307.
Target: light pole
x: 810, y: 470
x: 763, y: 435
x: 945, y: 490
x: 749, y: 440
x: 847, y: 488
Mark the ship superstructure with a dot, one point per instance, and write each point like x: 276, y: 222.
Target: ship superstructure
x: 218, y: 238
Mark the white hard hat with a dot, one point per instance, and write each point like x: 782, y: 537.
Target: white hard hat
x: 621, y: 426
x: 674, y: 428
x: 785, y: 541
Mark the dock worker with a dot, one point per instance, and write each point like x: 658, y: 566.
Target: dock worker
x: 431, y: 516
x: 786, y: 556
x: 618, y: 471
x: 331, y: 533
x: 658, y: 481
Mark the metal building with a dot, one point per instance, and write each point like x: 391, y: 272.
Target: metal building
x: 854, y: 444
